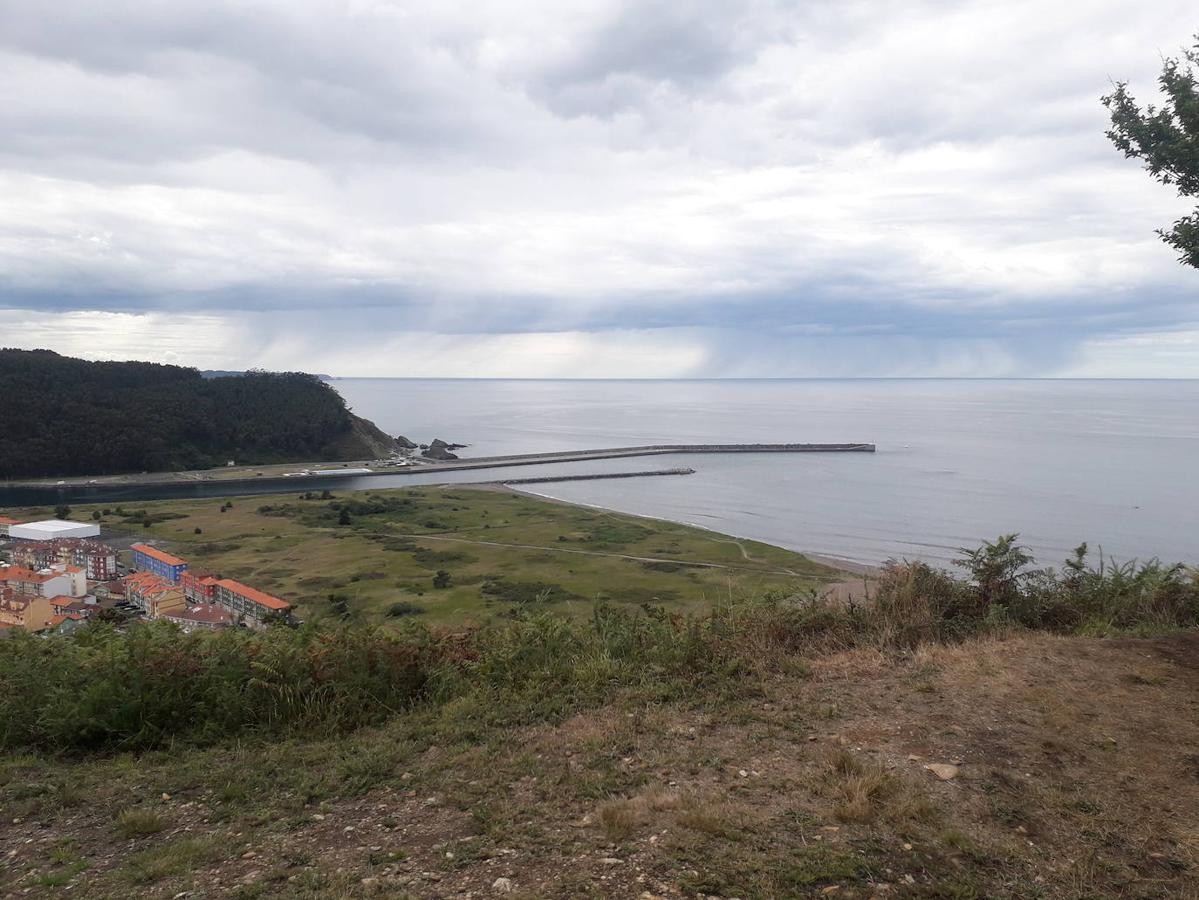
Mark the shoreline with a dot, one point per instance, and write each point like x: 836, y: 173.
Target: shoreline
x: 524, y: 487
x: 244, y: 484
x: 848, y: 566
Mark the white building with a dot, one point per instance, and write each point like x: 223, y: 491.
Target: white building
x: 51, y: 529
x: 56, y: 581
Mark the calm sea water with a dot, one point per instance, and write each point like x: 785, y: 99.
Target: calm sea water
x: 1110, y: 462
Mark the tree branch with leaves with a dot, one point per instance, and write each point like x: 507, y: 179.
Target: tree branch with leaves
x: 1166, y: 139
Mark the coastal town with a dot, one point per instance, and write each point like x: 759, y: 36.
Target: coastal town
x: 57, y: 575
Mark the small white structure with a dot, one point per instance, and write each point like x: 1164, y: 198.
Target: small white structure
x: 51, y: 529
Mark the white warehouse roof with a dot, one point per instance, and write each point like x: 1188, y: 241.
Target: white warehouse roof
x: 53, y: 528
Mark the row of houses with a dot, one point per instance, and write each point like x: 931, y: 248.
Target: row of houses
x: 164, y: 587
x: 96, y: 559
x: 59, y: 579
x: 59, y: 575
x: 44, y: 598
x: 33, y: 612
x: 48, y: 582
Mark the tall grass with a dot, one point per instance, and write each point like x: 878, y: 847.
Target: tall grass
x: 104, y: 690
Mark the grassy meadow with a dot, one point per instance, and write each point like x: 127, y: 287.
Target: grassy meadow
x: 500, y: 550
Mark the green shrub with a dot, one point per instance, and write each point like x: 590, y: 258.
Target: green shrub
x: 915, y: 603
x: 105, y: 689
x: 525, y: 592
x: 403, y: 608
x: 1111, y: 596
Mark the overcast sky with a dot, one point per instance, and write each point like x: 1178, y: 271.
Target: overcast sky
x: 589, y: 188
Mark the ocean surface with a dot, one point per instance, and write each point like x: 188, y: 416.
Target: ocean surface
x: 1114, y: 463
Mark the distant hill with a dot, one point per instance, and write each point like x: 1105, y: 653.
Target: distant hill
x: 64, y: 416
x: 229, y: 373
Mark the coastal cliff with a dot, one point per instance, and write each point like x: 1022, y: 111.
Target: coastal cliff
x: 365, y: 440
x: 64, y: 416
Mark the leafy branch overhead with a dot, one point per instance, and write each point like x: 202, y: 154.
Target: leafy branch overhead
x: 1167, y: 140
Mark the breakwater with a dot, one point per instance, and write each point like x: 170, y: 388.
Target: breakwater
x: 597, y: 476
x: 534, y: 459
x: 213, y: 483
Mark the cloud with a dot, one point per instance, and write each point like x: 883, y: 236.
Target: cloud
x: 885, y: 187
x: 360, y: 345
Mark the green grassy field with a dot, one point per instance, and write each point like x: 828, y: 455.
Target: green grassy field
x: 500, y: 548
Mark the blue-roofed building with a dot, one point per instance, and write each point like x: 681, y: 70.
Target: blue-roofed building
x: 158, y: 562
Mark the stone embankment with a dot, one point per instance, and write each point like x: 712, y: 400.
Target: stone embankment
x: 414, y: 466
x: 533, y: 459
x: 547, y: 479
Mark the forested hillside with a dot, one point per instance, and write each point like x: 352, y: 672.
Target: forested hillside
x: 63, y: 416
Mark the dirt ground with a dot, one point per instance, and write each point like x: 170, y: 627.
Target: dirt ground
x: 1066, y: 767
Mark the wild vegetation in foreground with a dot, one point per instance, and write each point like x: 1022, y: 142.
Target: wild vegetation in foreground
x: 767, y: 748
x: 153, y: 685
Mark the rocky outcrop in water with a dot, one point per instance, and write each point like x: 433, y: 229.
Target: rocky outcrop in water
x: 439, y: 449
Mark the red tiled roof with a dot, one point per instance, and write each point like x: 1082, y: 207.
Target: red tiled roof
x: 193, y: 577
x: 160, y: 555
x: 253, y: 595
x: 205, y: 613
x: 20, y: 573
x: 5, y: 520
x: 148, y: 582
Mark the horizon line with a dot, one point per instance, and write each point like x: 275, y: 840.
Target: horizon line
x: 769, y: 378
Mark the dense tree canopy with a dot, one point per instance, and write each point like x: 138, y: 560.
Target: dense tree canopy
x: 63, y: 416
x: 1167, y: 140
